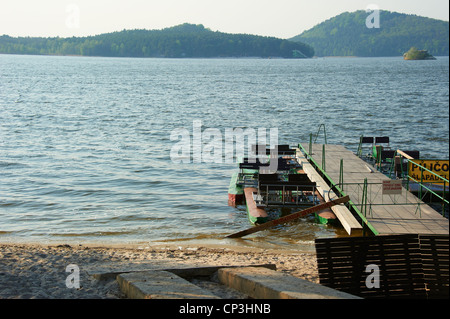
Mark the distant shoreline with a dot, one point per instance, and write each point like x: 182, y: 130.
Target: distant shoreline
x: 208, y: 58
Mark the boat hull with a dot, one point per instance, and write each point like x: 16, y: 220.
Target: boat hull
x: 235, y: 192
x: 256, y: 215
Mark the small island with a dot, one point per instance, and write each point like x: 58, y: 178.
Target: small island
x: 415, y: 54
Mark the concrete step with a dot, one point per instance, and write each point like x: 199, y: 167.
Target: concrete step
x: 160, y: 285
x: 258, y: 282
x: 263, y: 283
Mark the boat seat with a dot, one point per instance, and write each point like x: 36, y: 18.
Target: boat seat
x: 251, y: 165
x: 382, y: 140
x: 268, y: 177
x: 367, y: 140
x: 413, y: 154
x: 298, y: 177
x: 283, y: 150
x: 283, y: 147
x: 287, y: 186
x: 251, y: 160
x: 387, y: 154
x: 364, y: 140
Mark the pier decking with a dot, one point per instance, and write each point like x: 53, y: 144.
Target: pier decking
x: 383, y: 213
x: 346, y: 218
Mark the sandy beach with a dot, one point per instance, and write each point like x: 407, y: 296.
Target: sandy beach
x: 37, y: 271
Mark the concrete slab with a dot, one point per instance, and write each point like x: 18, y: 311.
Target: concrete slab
x: 186, y: 272
x: 262, y: 283
x: 160, y: 285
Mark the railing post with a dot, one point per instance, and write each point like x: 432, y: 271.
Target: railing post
x: 341, y: 174
x: 378, y: 149
x: 408, y: 163
x: 443, y: 201
x: 364, y: 199
x: 310, y: 144
x: 323, y: 158
x: 359, y: 151
x: 324, y: 132
x: 421, y: 183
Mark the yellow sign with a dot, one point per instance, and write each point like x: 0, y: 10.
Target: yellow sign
x: 438, y: 167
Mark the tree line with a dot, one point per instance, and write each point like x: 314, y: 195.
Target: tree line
x: 348, y: 35
x: 184, y: 41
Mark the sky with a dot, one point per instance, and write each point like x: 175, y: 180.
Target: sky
x: 280, y: 18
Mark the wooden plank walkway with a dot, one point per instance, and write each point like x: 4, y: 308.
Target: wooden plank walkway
x: 346, y: 218
x: 389, y: 214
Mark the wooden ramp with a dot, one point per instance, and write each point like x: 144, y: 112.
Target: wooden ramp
x: 346, y: 218
x: 388, y: 214
x: 290, y: 217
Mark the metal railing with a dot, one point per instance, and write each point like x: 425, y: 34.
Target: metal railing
x: 426, y: 188
x: 367, y: 195
x: 365, y: 198
x: 286, y: 195
x: 437, y: 188
x: 337, y: 190
x: 315, y: 139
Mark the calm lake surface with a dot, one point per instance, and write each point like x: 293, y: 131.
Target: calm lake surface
x: 85, y: 142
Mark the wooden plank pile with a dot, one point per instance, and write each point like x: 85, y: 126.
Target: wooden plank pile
x: 395, y: 266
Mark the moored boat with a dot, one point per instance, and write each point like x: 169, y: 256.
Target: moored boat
x: 274, y: 181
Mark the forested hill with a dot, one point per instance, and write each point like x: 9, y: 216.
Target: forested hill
x: 348, y: 35
x: 185, y: 40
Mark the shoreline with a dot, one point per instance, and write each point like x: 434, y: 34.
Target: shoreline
x: 238, y: 244
x: 38, y: 270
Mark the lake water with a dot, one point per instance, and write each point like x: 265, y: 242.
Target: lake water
x: 85, y: 142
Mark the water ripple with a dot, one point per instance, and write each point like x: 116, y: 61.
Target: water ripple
x: 85, y: 142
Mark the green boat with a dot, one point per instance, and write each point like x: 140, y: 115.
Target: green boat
x: 261, y: 187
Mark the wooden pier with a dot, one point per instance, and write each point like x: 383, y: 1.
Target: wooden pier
x: 386, y: 211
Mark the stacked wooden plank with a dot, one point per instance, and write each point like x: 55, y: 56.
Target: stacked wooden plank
x: 396, y: 266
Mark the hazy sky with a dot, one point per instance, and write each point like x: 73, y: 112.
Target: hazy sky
x: 280, y: 18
